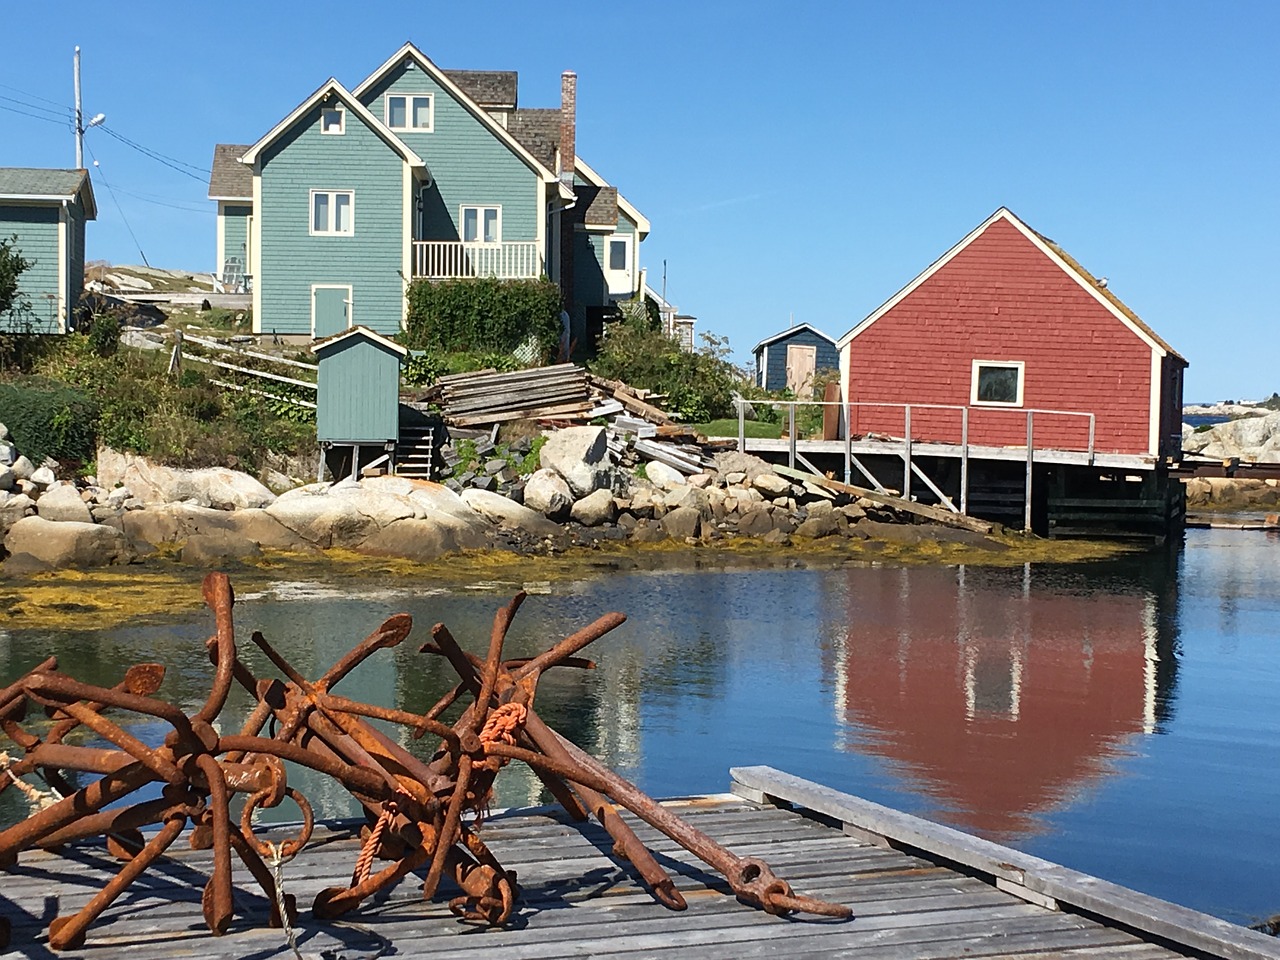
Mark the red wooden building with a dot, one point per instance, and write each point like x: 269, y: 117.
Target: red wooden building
x: 1003, y: 323
x: 1007, y: 354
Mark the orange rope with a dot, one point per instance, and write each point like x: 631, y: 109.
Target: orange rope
x: 503, y: 724
x: 364, y: 863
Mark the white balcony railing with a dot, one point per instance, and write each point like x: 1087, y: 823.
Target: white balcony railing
x: 449, y: 259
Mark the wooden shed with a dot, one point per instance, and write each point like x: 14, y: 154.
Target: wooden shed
x: 358, y: 391
x: 789, y: 360
x: 46, y: 211
x: 1003, y: 325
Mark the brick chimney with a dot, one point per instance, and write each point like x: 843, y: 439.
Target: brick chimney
x: 568, y: 123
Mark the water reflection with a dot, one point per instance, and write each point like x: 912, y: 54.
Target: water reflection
x: 1002, y: 693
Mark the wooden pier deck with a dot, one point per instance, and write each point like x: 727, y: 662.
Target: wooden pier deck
x: 917, y: 890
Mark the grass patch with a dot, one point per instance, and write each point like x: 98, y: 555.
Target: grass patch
x: 757, y: 429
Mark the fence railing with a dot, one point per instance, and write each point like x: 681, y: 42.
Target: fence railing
x: 452, y: 259
x: 911, y: 436
x: 262, y: 380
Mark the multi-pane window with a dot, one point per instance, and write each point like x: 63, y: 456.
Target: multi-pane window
x: 410, y: 111
x: 997, y: 383
x: 333, y: 212
x: 481, y: 224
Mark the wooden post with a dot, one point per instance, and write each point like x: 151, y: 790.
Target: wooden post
x: 175, y: 358
x: 906, y: 467
x: 742, y: 426
x: 964, y: 460
x: 355, y: 461
x: 848, y: 447
x: 791, y: 434
x: 1026, y: 517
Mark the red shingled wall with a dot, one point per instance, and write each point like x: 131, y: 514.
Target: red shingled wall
x: 1002, y: 298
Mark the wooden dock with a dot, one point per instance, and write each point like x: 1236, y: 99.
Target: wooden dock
x: 918, y: 890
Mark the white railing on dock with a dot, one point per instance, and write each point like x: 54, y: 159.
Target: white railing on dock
x: 907, y: 440
x: 452, y: 259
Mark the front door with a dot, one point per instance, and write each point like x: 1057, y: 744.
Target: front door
x: 802, y: 363
x: 330, y: 311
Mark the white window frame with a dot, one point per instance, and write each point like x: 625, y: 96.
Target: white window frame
x: 408, y: 99
x: 480, y: 208
x: 342, y: 121
x: 608, y: 253
x: 1019, y: 365
x: 311, y: 214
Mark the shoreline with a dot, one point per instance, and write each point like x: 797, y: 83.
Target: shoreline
x: 159, y: 589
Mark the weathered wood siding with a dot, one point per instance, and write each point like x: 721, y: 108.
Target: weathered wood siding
x: 291, y: 259
x: 36, y: 229
x: 235, y: 232
x: 771, y: 359
x: 469, y: 164
x: 1002, y: 299
x: 358, y: 392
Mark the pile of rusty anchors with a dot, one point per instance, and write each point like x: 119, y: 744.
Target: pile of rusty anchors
x: 415, y: 807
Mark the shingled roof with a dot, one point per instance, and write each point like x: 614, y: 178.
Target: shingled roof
x: 538, y: 131
x: 600, y: 205
x: 491, y: 89
x: 230, y: 179
x: 41, y: 183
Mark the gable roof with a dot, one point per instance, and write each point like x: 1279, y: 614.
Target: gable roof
x: 49, y: 184
x: 491, y: 89
x: 332, y: 87
x: 358, y: 331
x: 640, y: 220
x: 410, y: 52
x: 1055, y: 253
x: 229, y: 179
x: 791, y: 330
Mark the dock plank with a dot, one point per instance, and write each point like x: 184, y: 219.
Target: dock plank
x: 577, y: 901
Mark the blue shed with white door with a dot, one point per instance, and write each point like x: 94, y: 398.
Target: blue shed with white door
x: 792, y: 358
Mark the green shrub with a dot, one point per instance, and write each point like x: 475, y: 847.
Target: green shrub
x: 699, y: 386
x: 484, y: 316
x: 104, y: 335
x: 49, y: 419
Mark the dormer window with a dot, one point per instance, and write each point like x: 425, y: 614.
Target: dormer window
x: 413, y: 112
x: 333, y: 121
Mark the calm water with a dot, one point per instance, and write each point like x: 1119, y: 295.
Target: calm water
x: 1121, y: 718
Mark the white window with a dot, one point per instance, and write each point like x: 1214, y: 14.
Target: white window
x: 997, y: 383
x: 333, y: 213
x: 410, y: 111
x: 333, y: 120
x: 619, y: 254
x: 481, y: 224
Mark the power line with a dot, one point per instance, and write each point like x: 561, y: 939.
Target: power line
x: 35, y: 96
x: 35, y: 116
x: 171, y: 162
x: 64, y: 113
x: 116, y: 201
x: 167, y: 202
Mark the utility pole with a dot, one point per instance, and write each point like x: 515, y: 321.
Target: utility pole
x: 79, y: 117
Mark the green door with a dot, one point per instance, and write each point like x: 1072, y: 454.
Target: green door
x: 330, y: 310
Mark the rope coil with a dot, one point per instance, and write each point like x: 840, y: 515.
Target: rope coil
x: 37, y: 799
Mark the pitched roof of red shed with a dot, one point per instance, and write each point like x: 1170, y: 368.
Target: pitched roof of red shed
x: 1064, y: 260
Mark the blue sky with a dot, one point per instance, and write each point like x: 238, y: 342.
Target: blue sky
x: 799, y: 160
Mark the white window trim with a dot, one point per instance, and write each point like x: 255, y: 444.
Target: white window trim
x: 342, y: 121
x: 480, y: 207
x: 408, y: 111
x: 623, y: 239
x: 1019, y: 365
x: 311, y: 214
x: 351, y: 321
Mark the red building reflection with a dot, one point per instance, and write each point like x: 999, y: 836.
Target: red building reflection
x: 997, y: 698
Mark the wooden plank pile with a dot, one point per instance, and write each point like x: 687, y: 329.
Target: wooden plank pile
x: 473, y: 399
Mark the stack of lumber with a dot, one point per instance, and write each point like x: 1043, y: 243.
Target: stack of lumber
x: 631, y: 399
x: 559, y: 392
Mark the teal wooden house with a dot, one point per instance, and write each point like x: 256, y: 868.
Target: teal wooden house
x: 46, y: 211
x: 419, y: 173
x: 358, y: 394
